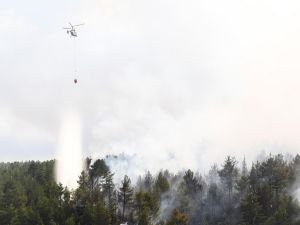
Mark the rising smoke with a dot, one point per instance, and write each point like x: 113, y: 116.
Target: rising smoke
x: 170, y: 83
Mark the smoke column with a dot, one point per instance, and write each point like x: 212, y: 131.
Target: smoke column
x: 69, y: 157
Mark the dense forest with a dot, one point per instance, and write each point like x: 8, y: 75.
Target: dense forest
x: 227, y: 195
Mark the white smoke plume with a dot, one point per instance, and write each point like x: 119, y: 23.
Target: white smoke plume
x: 173, y: 84
x: 69, y: 155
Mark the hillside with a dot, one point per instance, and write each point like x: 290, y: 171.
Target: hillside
x: 227, y: 195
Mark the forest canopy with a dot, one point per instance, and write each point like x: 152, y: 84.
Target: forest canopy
x: 228, y: 194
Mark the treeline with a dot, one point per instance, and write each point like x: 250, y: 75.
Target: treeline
x: 226, y: 195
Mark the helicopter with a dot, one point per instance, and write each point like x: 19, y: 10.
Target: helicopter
x: 71, y: 30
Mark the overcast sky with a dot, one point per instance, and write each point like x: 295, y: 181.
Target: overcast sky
x: 169, y: 83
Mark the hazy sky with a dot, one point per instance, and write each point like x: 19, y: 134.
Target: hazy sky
x: 172, y: 84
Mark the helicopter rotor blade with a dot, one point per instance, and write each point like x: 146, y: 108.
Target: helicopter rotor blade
x: 78, y: 25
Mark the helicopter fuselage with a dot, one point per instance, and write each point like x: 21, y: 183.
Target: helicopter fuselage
x: 72, y: 32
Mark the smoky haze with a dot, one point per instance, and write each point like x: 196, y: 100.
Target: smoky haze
x: 169, y: 83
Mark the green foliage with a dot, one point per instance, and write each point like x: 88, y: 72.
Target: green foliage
x: 261, y: 196
x: 125, y: 196
x: 146, y: 207
x: 190, y: 184
x: 228, y: 174
x: 161, y: 184
x: 252, y: 211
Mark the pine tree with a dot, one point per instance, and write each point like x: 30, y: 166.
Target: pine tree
x: 109, y: 194
x: 244, y: 168
x: 252, y: 211
x: 125, y: 195
x: 146, y: 207
x: 161, y: 184
x: 97, y: 174
x: 228, y: 175
x: 148, y: 182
